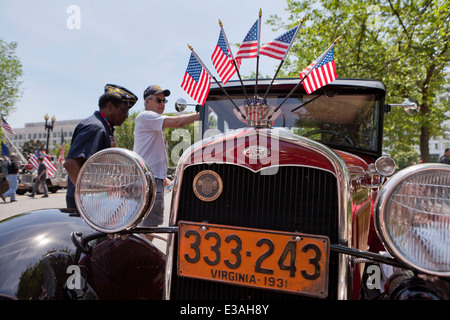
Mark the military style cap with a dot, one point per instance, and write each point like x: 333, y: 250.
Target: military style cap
x: 155, y: 89
x: 122, y: 94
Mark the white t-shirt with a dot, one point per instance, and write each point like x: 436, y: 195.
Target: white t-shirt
x: 149, y: 142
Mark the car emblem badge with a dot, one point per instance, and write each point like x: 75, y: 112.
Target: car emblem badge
x: 207, y: 185
x: 256, y: 152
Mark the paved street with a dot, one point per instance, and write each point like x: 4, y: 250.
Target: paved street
x: 25, y: 203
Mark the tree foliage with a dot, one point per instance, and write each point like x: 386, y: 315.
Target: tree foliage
x: 403, y: 43
x: 10, y: 73
x: 30, y: 147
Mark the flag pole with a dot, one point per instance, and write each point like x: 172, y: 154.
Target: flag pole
x: 17, y: 150
x: 307, y: 74
x: 284, y: 58
x: 232, y: 57
x: 258, y: 33
x: 213, y: 77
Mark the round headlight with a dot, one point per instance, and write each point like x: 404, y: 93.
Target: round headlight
x: 412, y: 217
x: 115, y: 190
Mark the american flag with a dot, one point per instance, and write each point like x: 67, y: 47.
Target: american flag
x: 321, y: 73
x: 6, y: 126
x: 249, y: 47
x: 278, y: 47
x: 221, y: 59
x: 63, y: 148
x: 197, y: 80
x: 51, y: 168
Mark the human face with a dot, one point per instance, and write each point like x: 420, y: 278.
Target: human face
x: 118, y: 113
x: 156, y: 103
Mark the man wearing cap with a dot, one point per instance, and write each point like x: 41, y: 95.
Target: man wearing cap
x: 150, y: 144
x: 96, y: 132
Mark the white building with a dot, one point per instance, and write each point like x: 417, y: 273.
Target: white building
x: 36, y: 131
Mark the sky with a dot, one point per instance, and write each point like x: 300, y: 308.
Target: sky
x: 69, y: 53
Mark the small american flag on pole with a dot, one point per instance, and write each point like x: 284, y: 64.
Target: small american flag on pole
x: 320, y: 73
x: 249, y: 47
x: 222, y: 60
x: 197, y: 80
x: 6, y: 126
x: 279, y: 47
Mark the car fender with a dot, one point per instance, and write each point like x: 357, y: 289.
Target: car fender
x: 36, y: 251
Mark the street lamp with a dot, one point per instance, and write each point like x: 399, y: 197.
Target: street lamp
x: 49, y: 128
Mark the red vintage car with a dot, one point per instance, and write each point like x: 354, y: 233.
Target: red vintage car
x: 283, y: 196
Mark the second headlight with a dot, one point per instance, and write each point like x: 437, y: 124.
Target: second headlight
x: 412, y: 217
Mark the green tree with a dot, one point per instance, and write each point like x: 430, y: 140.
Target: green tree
x: 30, y: 147
x: 404, y: 158
x: 10, y: 73
x: 403, y: 43
x: 124, y: 134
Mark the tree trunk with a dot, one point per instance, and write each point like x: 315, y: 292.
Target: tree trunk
x: 424, y: 144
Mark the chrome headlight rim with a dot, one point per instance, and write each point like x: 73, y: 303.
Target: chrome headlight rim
x: 149, y: 190
x: 381, y: 205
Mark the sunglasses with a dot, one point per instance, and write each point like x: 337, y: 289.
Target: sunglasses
x: 158, y: 100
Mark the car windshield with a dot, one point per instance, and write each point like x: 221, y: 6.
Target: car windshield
x: 339, y: 120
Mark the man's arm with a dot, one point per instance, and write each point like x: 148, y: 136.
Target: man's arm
x: 73, y: 167
x: 180, y: 121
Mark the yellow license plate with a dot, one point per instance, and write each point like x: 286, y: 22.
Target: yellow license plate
x: 283, y: 261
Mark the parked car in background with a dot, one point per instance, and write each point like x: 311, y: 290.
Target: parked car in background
x: 284, y: 197
x: 27, y: 178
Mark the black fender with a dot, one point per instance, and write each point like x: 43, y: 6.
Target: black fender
x: 39, y: 260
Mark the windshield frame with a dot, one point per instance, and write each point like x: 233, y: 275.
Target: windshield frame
x: 279, y: 90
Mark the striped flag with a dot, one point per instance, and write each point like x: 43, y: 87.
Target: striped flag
x: 197, y: 80
x: 6, y: 126
x: 51, y: 168
x: 320, y: 73
x: 278, y: 47
x: 249, y: 47
x: 222, y: 60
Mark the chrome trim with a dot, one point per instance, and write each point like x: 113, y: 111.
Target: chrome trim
x: 345, y: 273
x: 381, y: 202
x: 144, y: 172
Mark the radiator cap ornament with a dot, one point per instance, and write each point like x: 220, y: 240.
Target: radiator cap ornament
x: 207, y: 185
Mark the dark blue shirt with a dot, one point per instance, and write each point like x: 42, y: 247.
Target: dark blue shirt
x: 90, y: 136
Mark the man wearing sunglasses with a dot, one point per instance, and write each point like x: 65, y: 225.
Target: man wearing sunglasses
x: 150, y: 144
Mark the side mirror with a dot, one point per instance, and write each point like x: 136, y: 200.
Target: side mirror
x: 181, y: 104
x: 409, y: 105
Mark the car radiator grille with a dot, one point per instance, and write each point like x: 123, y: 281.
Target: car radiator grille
x: 295, y: 199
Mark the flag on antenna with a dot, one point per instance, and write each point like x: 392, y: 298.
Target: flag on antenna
x: 221, y: 59
x: 196, y: 81
x: 249, y: 47
x: 320, y: 73
x: 278, y: 47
